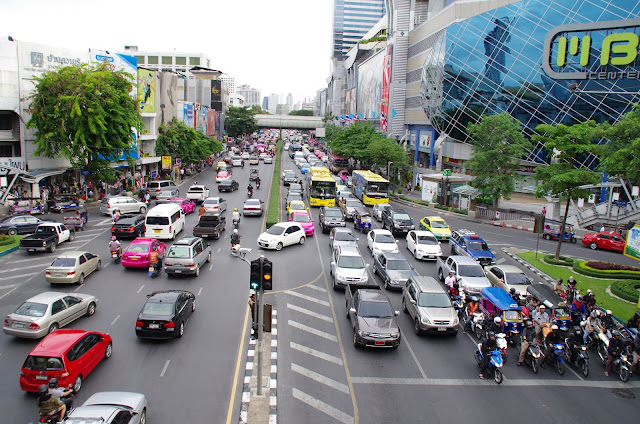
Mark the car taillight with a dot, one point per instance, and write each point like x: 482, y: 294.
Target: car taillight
x: 130, y: 229
x: 169, y: 324
x: 191, y: 265
x: 139, y: 323
x: 108, y: 205
x: 169, y: 228
x: 71, y: 273
x: 6, y: 322
x: 47, y: 272
x: 113, y: 229
x: 34, y: 326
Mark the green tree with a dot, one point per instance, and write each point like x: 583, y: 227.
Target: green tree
x: 178, y: 140
x: 621, y: 156
x: 564, y: 176
x: 240, y: 121
x: 301, y: 112
x: 382, y: 150
x: 85, y: 114
x: 498, y: 146
x: 255, y: 109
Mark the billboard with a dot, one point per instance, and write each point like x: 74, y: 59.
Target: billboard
x: 210, y: 122
x: 386, y: 82
x: 118, y: 62
x: 369, y: 98
x: 147, y: 91
x: 166, y: 162
x: 187, y: 115
x: 632, y: 246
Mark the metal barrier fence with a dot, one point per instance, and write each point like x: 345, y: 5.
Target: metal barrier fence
x: 504, y: 215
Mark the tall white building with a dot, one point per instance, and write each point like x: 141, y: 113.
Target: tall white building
x: 231, y: 82
x: 252, y: 96
x: 290, y: 99
x: 168, y: 61
x: 274, y: 101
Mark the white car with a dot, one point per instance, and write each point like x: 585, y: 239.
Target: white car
x: 282, y: 234
x: 252, y: 207
x: 378, y: 208
x: 325, y: 159
x: 379, y: 241
x: 268, y: 160
x: 245, y: 155
x: 423, y: 245
x: 215, y: 204
x: 197, y: 193
x: 111, y: 408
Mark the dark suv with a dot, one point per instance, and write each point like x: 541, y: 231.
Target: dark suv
x: 331, y: 217
x: 397, y: 221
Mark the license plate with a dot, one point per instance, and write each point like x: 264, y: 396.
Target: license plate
x: 18, y: 325
x: 154, y: 326
x: 151, y: 269
x: 157, y: 231
x: 134, y: 258
x: 379, y: 343
x: 41, y: 377
x: 442, y: 328
x: 177, y: 271
x: 431, y: 256
x: 115, y: 255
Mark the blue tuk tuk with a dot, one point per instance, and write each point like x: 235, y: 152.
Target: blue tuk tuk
x: 497, y: 302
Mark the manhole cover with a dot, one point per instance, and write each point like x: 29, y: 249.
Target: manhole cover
x: 623, y: 393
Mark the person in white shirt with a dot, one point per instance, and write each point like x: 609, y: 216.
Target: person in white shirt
x: 450, y: 280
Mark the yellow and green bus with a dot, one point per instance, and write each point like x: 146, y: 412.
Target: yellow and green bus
x: 322, y: 187
x: 370, y: 188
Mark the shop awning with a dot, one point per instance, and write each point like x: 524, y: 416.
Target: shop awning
x: 35, y: 176
x: 148, y: 159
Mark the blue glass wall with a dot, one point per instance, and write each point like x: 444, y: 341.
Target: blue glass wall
x: 493, y: 63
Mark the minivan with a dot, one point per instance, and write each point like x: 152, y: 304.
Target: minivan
x: 164, y: 221
x: 429, y: 306
x: 155, y: 187
x: 122, y: 204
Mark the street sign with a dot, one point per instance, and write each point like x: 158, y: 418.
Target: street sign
x: 619, y: 203
x: 178, y: 161
x: 446, y: 172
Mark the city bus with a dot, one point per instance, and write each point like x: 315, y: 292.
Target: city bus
x: 321, y: 187
x: 370, y: 188
x: 337, y: 163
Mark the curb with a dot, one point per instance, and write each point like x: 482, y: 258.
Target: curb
x: 530, y: 267
x: 515, y: 227
x: 9, y: 250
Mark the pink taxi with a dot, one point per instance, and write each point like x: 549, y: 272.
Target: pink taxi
x: 136, y: 255
x: 187, y: 205
x: 304, y: 219
x: 222, y: 175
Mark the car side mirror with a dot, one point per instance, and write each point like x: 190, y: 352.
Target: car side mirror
x: 352, y: 310
x: 332, y: 263
x: 396, y: 313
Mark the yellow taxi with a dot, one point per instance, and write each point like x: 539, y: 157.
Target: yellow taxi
x: 221, y: 165
x: 296, y: 205
x: 437, y: 226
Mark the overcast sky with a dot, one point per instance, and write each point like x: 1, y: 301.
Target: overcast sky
x: 279, y: 46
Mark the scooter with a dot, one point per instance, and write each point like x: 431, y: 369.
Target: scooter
x: 532, y: 356
x: 250, y: 193
x: 236, y: 224
x: 53, y: 417
x: 622, y: 365
x: 116, y: 255
x: 501, y: 340
x: 458, y: 304
x: 477, y: 324
x: 558, y: 356
x: 600, y: 342
x: 258, y: 184
x: 154, y: 270
x: 495, y: 362
x: 578, y: 356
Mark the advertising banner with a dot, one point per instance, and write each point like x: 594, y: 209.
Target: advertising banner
x: 386, y: 82
x: 147, y: 91
x: 187, y: 115
x: 118, y: 62
x: 210, y: 125
x: 166, y: 162
x: 15, y: 162
x: 369, y: 98
x: 632, y: 247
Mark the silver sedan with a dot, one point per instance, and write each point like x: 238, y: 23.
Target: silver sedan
x: 111, y: 408
x: 48, y: 311
x: 72, y: 267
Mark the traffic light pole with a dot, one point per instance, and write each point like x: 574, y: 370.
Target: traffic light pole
x: 260, y: 325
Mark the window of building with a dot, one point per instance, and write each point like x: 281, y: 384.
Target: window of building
x: 152, y: 60
x: 167, y: 60
x: 194, y: 61
x: 5, y: 121
x: 181, y: 60
x: 6, y: 150
x: 140, y: 60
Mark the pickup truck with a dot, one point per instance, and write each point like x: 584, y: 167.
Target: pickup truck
x: 468, y: 243
x: 211, y: 225
x: 47, y: 237
x: 197, y: 193
x: 372, y: 317
x: 470, y: 274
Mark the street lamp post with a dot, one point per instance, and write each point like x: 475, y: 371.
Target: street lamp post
x: 389, y: 170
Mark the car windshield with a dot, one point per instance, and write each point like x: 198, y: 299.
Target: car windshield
x: 512, y: 315
x: 402, y: 216
x: 352, y: 203
x: 225, y: 183
x: 344, y: 236
x: 517, y: 278
x: 470, y: 271
x: 301, y: 217
x: 428, y: 240
x: 375, y: 310
x: 296, y: 206
x: 295, y: 187
x: 294, y: 196
x: 385, y: 238
x: 398, y: 265
x: 275, y: 230
x: 179, y: 252
x: 138, y: 248
x: 434, y: 300
x: 252, y: 203
x: 158, y: 309
x: 289, y: 175
x: 157, y: 220
x: 64, y: 262
x: 438, y: 224
x: 332, y: 213
x: 351, y: 262
x: 31, y: 309
x: 45, y: 229
x: 478, y: 245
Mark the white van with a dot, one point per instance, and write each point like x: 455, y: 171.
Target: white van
x: 164, y: 221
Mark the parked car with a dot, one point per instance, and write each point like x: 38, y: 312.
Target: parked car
x: 68, y: 355
x: 393, y: 268
x: 348, y: 267
x: 341, y: 236
x: 381, y: 241
x: 156, y: 187
x: 186, y: 205
x: 20, y: 224
x: 331, y: 217
x: 228, y: 185
x: 47, y: 237
x: 304, y: 219
x: 136, y: 255
x: 46, y: 312
x: 110, y: 408
x: 604, y: 240
x: 187, y: 256
x: 166, y: 194
x: 252, y: 207
x: 72, y: 267
x: 429, y: 306
x: 378, y: 208
x: 198, y: 193
x: 281, y: 235
x: 437, y: 226
x: 128, y: 226
x: 397, y: 221
x: 165, y: 314
x: 122, y: 204
x: 508, y: 277
x: 423, y: 245
x: 215, y: 204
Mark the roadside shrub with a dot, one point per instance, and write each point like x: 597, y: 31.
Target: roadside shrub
x: 581, y: 267
x: 610, y: 266
x: 626, y: 289
x: 6, y: 240
x: 274, y: 200
x: 451, y: 209
x: 563, y: 261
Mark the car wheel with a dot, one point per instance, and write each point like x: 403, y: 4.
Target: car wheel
x: 593, y: 245
x: 181, y: 330
x: 415, y: 254
x: 52, y: 248
x: 80, y: 280
x: 99, y: 266
x: 302, y: 240
x: 279, y: 246
x: 13, y: 231
x: 143, y: 416
x: 404, y: 306
x: 197, y: 273
x: 441, y: 275
x: 53, y: 327
x: 416, y: 327
x: 77, y: 384
x: 91, y: 309
x: 355, y: 339
x: 108, y: 351
x: 209, y: 258
x: 143, y: 209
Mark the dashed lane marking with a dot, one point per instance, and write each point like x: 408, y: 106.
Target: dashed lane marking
x: 321, y: 406
x: 320, y: 378
x: 316, y: 353
x: 29, y: 274
x: 320, y: 289
x: 200, y: 291
x: 164, y: 369
x: 310, y: 313
x: 9, y: 286
x: 489, y: 382
x: 140, y: 289
x: 415, y: 358
x: 312, y: 330
x: 115, y: 319
x: 309, y: 298
x: 501, y: 260
x: 27, y: 267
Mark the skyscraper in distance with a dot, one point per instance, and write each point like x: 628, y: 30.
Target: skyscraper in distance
x: 351, y: 20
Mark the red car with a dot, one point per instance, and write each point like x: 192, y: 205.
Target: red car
x: 136, y: 255
x: 604, y: 240
x: 68, y: 355
x: 187, y: 205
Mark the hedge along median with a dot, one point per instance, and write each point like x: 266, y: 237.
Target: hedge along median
x: 627, y: 289
x: 7, y: 242
x: 274, y: 200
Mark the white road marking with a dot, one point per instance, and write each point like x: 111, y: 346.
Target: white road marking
x: 10, y: 286
x: 602, y: 384
x: 15, y: 277
x: 320, y: 378
x: 45, y: 264
x: 309, y: 298
x: 320, y: 289
x: 115, y: 319
x: 104, y: 222
x: 140, y: 289
x: 501, y: 260
x: 310, y: 313
x: 313, y: 331
x: 218, y: 250
x: 23, y: 260
x: 79, y: 287
x: 316, y: 353
x: 164, y: 369
x: 210, y: 267
x: 415, y: 358
x: 200, y: 291
x: 321, y: 406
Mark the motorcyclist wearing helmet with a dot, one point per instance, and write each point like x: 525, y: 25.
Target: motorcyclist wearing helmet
x: 47, y: 403
x: 578, y: 309
x: 235, y: 216
x: 257, y: 182
x: 472, y: 307
x: 570, y: 293
x: 250, y: 190
x: 552, y: 338
x: 60, y: 393
x: 591, y: 325
x: 496, y: 325
x: 235, y: 237
x: 615, y: 347
x: 607, y: 320
x: 114, y: 246
x: 574, y: 341
x: 488, y: 345
x: 515, y: 296
x: 528, y: 336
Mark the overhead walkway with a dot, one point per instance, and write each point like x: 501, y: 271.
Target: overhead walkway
x: 289, y: 122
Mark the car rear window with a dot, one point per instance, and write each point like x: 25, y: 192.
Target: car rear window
x: 153, y: 185
x: 138, y: 248
x: 158, y: 309
x: 42, y: 363
x: 157, y: 220
x: 179, y: 252
x: 211, y: 202
x: 332, y: 212
x: 64, y: 262
x: 31, y: 309
x: 196, y: 190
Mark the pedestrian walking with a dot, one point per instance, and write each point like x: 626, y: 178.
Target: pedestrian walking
x: 544, y: 211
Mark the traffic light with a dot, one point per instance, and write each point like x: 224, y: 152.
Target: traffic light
x: 267, y: 274
x: 255, y: 274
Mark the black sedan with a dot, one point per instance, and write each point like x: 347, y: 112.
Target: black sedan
x: 20, y: 224
x: 165, y: 314
x: 228, y: 185
x: 129, y: 226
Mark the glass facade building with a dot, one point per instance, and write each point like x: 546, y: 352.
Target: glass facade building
x: 351, y: 21
x: 497, y: 61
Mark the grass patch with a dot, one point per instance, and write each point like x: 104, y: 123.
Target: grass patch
x: 7, y: 242
x: 621, y: 309
x: 274, y: 200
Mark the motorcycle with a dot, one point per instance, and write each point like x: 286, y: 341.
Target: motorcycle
x: 250, y: 193
x: 501, y: 339
x: 622, y: 365
x: 257, y: 184
x: 532, y: 356
x: 154, y: 270
x: 495, y: 362
x: 116, y: 255
x: 458, y: 304
x: 578, y: 357
x: 236, y: 224
x: 477, y: 324
x: 600, y: 342
x: 53, y: 417
x: 558, y: 356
